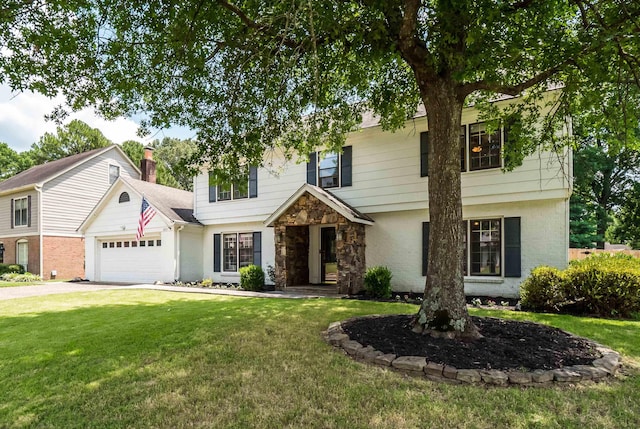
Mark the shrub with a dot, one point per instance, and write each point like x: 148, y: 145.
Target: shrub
x: 20, y: 277
x: 377, y: 282
x: 543, y: 290
x: 11, y: 268
x: 600, y: 285
x: 207, y: 283
x: 604, y: 285
x: 252, y: 278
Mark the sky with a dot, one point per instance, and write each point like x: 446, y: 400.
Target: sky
x: 22, y: 121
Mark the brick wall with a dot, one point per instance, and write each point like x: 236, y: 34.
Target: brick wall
x: 65, y: 255
x: 33, y: 265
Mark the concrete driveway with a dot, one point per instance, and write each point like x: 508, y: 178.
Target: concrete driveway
x: 51, y: 288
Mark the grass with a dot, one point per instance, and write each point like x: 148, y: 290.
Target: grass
x: 114, y: 359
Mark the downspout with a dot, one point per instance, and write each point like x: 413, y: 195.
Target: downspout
x: 177, y: 270
x: 40, y: 229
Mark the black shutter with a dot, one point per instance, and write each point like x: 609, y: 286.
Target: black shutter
x: 253, y: 182
x: 424, y: 154
x: 311, y: 168
x: 217, y: 242
x: 512, y: 259
x: 346, y: 166
x: 12, y: 214
x: 212, y: 189
x: 257, y: 249
x: 29, y: 211
x: 425, y: 247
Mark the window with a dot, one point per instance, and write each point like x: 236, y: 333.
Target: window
x: 234, y: 191
x: 134, y: 244
x: 328, y: 172
x: 229, y: 252
x: 158, y: 243
x: 126, y: 244
x: 21, y: 212
x: 491, y: 247
x: 484, y: 149
x: 1, y: 253
x: 485, y: 247
x: 143, y: 243
x: 478, y: 150
x: 112, y: 245
x: 114, y: 173
x: 150, y: 243
x: 232, y: 251
x: 119, y: 244
x: 332, y: 171
x: 104, y: 245
x: 124, y: 198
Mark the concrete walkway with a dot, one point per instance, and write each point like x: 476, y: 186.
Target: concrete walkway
x: 52, y: 288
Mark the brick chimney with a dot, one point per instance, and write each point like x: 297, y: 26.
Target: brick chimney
x: 148, y: 166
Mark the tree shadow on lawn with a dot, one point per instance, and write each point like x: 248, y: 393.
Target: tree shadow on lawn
x: 216, y: 362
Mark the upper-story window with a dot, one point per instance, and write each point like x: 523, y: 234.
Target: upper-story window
x: 114, y: 173
x: 332, y: 170
x: 484, y: 148
x: 20, y: 212
x: 479, y: 150
x: 328, y: 171
x: 234, y: 191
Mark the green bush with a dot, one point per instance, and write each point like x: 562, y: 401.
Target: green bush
x: 20, y: 277
x: 543, y: 290
x: 600, y: 285
x: 604, y: 285
x: 252, y: 278
x: 377, y: 282
x: 11, y: 268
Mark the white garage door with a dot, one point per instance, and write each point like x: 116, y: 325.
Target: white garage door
x: 126, y: 260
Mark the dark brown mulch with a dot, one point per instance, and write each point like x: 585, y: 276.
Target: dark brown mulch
x: 507, y: 344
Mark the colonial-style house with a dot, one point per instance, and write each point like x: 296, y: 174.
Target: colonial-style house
x: 41, y: 209
x: 328, y: 218
x: 171, y: 247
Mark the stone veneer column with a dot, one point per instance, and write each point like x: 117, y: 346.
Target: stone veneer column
x: 350, y: 248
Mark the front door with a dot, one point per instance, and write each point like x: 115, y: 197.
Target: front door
x: 23, y: 254
x: 328, y: 260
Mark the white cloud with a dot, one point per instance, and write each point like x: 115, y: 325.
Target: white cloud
x: 22, y: 121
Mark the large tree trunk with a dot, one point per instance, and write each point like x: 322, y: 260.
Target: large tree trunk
x: 444, y: 311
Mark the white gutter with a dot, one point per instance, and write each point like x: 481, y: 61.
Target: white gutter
x: 177, y: 267
x: 40, y: 229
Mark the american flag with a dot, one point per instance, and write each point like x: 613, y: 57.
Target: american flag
x: 146, y: 214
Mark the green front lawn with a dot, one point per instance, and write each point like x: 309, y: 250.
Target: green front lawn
x: 12, y: 284
x: 159, y: 359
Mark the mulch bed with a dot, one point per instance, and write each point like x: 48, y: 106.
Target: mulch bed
x: 507, y: 344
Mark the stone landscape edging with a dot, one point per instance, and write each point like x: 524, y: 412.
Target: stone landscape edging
x: 601, y: 368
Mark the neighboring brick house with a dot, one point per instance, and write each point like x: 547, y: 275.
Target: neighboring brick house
x: 42, y: 208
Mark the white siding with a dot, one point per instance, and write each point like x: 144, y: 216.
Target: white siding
x: 190, y: 239
x: 386, y: 177
x: 6, y: 215
x: 395, y: 240
x: 68, y: 199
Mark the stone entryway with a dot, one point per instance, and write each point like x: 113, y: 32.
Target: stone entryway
x: 311, y: 218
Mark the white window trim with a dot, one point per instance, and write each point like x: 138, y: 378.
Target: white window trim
x: 488, y: 278
x: 15, y: 200
x: 339, y: 169
x: 109, y: 173
x: 237, y: 249
x: 467, y: 158
x: 218, y: 200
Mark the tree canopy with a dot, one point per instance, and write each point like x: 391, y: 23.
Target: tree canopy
x: 255, y: 76
x: 71, y: 139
